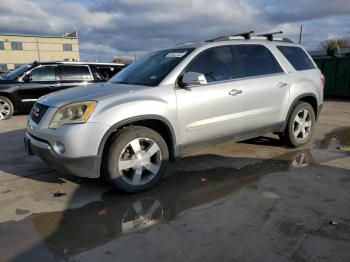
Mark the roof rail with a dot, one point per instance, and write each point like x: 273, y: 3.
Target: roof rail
x: 245, y: 35
x: 269, y: 36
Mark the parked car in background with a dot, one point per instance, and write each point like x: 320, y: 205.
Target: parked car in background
x: 234, y: 87
x: 21, y: 88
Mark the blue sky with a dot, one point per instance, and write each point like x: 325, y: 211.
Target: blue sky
x: 109, y: 28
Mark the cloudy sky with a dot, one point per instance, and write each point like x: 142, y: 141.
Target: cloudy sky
x: 109, y: 28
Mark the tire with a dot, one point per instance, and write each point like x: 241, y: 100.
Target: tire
x: 6, y: 108
x: 299, y: 132
x: 136, y: 159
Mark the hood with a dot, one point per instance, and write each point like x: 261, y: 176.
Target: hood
x: 83, y: 93
x: 6, y: 81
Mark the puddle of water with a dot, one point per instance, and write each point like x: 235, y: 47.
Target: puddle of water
x: 340, y: 136
x: 69, y: 232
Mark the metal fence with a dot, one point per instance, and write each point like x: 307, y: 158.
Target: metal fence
x: 337, y: 74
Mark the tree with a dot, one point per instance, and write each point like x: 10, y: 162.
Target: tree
x: 334, y: 44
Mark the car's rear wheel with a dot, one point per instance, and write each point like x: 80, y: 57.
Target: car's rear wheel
x: 6, y: 108
x: 137, y: 159
x: 300, y: 126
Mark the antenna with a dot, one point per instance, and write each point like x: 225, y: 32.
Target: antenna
x: 269, y: 36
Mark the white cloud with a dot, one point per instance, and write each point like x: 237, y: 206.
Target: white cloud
x: 126, y: 27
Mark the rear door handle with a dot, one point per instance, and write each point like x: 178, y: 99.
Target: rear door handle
x: 282, y: 84
x: 235, y: 92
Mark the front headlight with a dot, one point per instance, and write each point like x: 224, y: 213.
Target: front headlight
x: 73, y: 114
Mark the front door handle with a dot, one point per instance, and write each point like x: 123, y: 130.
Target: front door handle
x: 282, y: 84
x: 235, y: 92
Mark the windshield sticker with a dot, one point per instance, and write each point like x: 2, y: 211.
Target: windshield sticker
x: 176, y: 55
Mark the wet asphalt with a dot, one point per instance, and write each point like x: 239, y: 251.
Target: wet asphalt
x: 250, y: 201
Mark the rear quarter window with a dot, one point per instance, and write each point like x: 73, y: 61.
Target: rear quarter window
x: 297, y: 57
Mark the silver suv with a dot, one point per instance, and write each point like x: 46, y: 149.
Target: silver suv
x: 127, y: 129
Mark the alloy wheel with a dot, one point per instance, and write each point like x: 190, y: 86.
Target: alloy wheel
x: 140, y: 161
x: 302, y: 125
x: 5, y: 109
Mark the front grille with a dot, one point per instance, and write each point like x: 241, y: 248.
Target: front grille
x: 37, y: 113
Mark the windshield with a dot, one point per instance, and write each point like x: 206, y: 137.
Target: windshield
x: 152, y: 68
x: 17, y: 72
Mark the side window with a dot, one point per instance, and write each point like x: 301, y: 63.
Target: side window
x: 3, y: 67
x: 217, y: 64
x: 67, y: 47
x: 255, y: 60
x: 2, y: 47
x: 44, y: 73
x: 96, y: 73
x: 69, y: 72
x: 297, y: 57
x: 107, y: 71
x: 16, y: 46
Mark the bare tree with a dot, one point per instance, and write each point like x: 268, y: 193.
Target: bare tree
x: 123, y: 60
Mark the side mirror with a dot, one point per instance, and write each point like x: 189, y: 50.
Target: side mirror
x: 193, y: 79
x: 27, y: 78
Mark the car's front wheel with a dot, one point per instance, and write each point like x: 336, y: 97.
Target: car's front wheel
x: 6, y: 108
x: 300, y: 126
x: 137, y: 158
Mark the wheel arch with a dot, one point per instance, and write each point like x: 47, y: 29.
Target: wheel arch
x: 11, y: 98
x: 309, y: 98
x: 154, y: 122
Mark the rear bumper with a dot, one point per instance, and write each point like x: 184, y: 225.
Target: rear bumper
x: 83, y: 166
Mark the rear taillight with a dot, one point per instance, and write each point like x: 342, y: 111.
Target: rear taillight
x: 323, y: 80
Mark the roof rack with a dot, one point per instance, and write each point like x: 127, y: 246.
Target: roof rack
x: 249, y: 35
x: 245, y: 35
x: 269, y: 36
x: 78, y: 63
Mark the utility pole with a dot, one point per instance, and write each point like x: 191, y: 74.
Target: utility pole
x: 37, y: 46
x: 300, y: 34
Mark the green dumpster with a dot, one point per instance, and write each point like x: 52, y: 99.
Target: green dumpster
x: 337, y: 74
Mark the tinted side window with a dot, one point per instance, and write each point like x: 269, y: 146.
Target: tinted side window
x: 217, y: 64
x: 97, y: 75
x: 45, y: 73
x: 297, y: 57
x: 75, y: 73
x: 255, y: 60
x: 107, y: 72
x: 2, y: 47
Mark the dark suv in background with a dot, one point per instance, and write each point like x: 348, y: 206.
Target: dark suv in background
x: 20, y: 88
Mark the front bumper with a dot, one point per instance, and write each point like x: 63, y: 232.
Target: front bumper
x: 82, y: 166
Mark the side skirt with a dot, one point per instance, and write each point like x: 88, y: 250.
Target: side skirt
x: 237, y: 137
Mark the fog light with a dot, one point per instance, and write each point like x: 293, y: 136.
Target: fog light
x: 59, y: 148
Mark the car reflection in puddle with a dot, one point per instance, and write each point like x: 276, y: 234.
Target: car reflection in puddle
x: 87, y: 227
x: 143, y: 213
x: 71, y: 231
